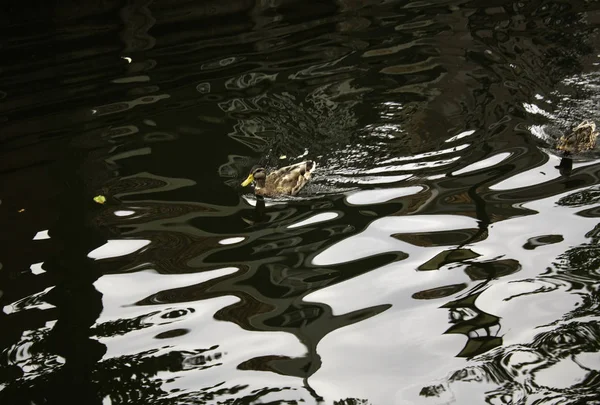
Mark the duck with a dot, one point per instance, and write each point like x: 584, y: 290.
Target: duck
x: 581, y: 139
x: 287, y: 180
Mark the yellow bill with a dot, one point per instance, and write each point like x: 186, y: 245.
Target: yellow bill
x: 249, y: 180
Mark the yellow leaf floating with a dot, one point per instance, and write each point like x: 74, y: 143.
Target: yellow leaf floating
x: 21, y: 210
x: 100, y: 199
x: 282, y: 157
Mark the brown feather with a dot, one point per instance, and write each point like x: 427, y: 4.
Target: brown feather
x: 287, y: 180
x: 581, y: 139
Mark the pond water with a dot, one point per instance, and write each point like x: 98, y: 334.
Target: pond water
x: 444, y: 252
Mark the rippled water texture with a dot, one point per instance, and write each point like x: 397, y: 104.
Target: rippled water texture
x: 444, y: 253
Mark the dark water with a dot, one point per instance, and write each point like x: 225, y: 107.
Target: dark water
x: 442, y: 254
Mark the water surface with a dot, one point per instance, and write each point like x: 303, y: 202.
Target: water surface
x: 444, y: 252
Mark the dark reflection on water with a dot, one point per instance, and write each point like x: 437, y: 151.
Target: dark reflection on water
x: 442, y: 241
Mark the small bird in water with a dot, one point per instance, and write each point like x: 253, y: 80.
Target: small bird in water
x: 581, y: 139
x: 288, y: 180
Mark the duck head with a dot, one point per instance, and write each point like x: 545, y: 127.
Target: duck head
x: 258, y: 175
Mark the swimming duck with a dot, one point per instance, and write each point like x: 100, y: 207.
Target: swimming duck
x: 581, y: 139
x: 288, y: 180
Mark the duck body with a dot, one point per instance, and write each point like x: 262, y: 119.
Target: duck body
x: 581, y: 139
x: 287, y: 180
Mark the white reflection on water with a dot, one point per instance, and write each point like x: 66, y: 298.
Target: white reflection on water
x: 561, y: 375
x: 376, y: 238
x: 366, y: 197
x: 411, y: 345
x: 419, y: 165
x: 537, y: 175
x: 121, y: 291
x: 36, y: 268
x: 322, y: 217
x: 231, y: 241
x: 118, y: 247
x: 124, y: 213
x: 519, y: 325
x: 460, y: 136
x: 589, y: 360
x: 509, y: 237
x: 482, y: 164
x: 533, y: 176
x: 235, y: 344
x: 424, y: 155
x: 41, y: 235
x: 34, y: 301
x: 535, y: 109
x: 381, y: 179
x: 269, y: 202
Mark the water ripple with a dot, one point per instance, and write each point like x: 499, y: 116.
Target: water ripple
x: 444, y: 252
